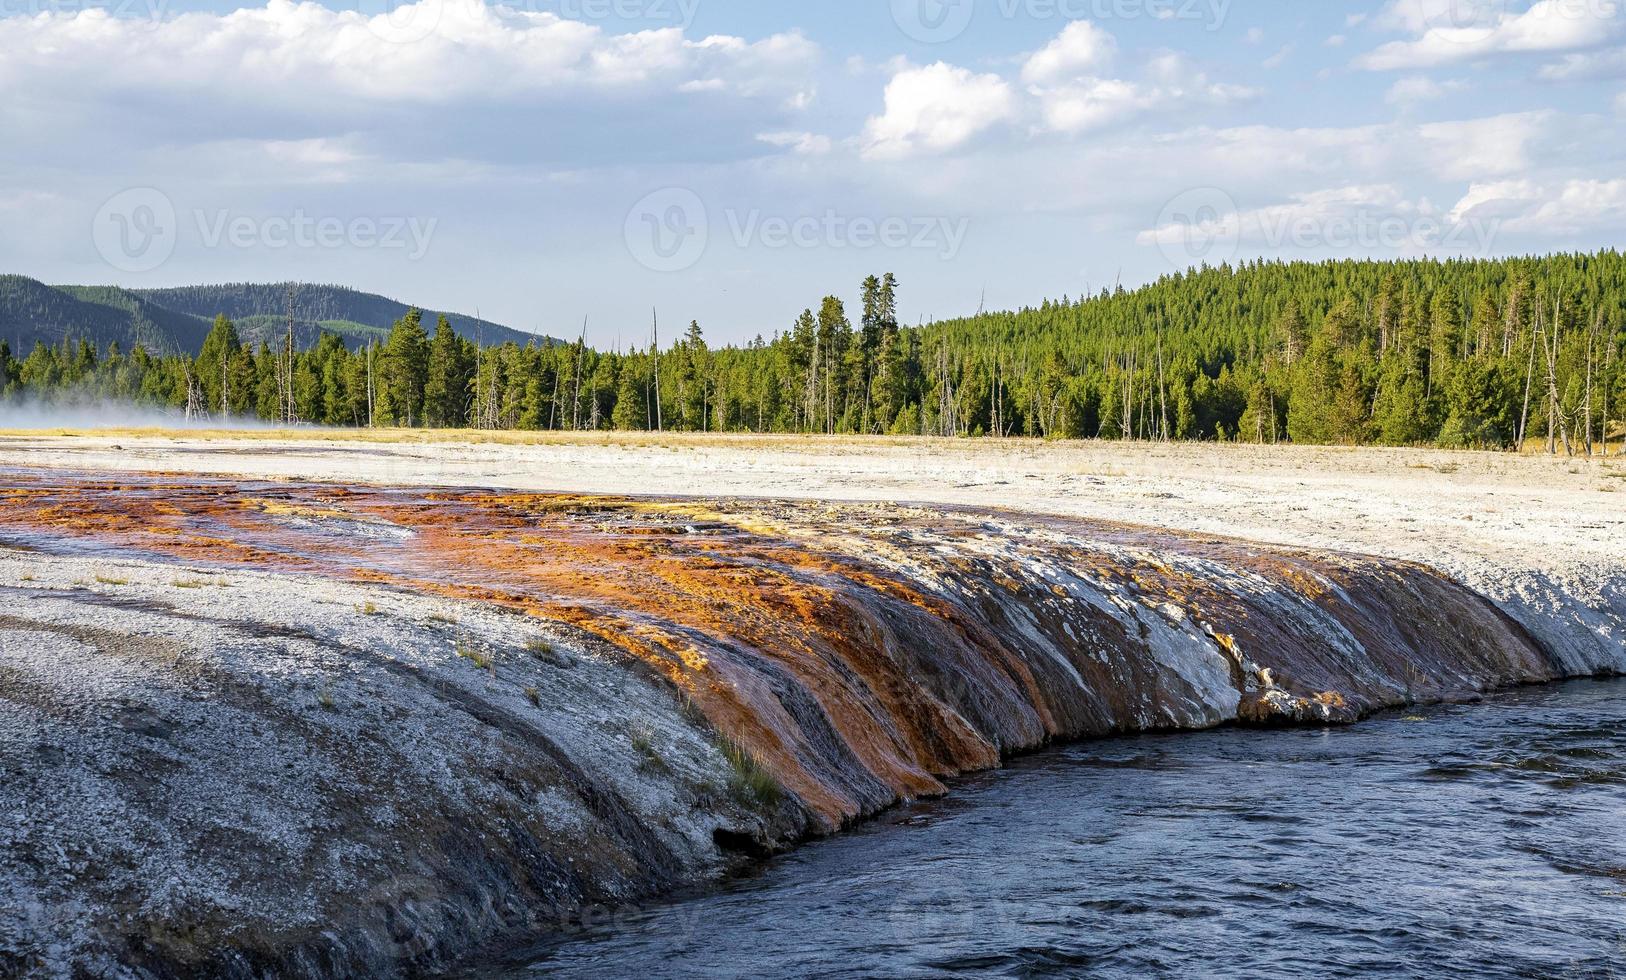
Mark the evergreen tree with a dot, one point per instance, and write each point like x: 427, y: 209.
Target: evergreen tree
x: 10, y: 370
x: 1292, y: 335
x: 1317, y: 383
x: 631, y: 406
x: 446, y: 382
x: 218, y: 365
x: 1480, y: 408
x: 694, y: 373
x: 833, y: 340
x: 1325, y: 352
x: 403, y: 369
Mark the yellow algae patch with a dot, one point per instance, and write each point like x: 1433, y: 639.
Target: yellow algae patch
x: 280, y: 509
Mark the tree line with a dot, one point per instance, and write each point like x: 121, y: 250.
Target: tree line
x: 1476, y: 354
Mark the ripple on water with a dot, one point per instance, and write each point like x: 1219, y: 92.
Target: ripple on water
x: 1485, y: 840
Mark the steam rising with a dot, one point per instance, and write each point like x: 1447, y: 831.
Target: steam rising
x: 38, y: 414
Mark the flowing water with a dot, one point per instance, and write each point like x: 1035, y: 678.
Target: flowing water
x: 1485, y: 839
x: 856, y: 653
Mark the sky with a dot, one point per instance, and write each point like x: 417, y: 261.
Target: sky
x: 553, y: 162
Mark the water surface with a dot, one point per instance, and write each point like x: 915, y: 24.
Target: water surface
x: 1485, y: 839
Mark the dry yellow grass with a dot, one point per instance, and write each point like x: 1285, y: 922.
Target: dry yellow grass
x: 667, y: 440
x: 485, y: 437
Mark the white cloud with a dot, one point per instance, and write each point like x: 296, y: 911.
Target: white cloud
x: 1578, y: 206
x: 1417, y: 16
x: 303, y: 56
x: 1279, y: 59
x: 1082, y: 50
x: 1620, y: 103
x: 529, y: 136
x: 942, y: 107
x: 1072, y: 101
x: 25, y: 200
x: 1179, y: 79
x: 1267, y: 225
x: 1420, y: 88
x: 936, y: 108
x: 1336, y: 41
x: 1496, y: 200
x: 1090, y: 105
x: 1094, y: 103
x: 803, y: 144
x: 1358, y: 219
x: 1478, y: 148
x: 1523, y: 206
x: 328, y: 96
x: 1587, y: 67
x: 1448, y: 31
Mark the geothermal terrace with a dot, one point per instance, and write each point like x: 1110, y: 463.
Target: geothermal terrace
x: 292, y: 702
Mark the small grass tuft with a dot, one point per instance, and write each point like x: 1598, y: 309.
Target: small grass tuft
x: 325, y: 699
x: 112, y: 580
x: 750, y: 785
x: 534, y: 696
x: 474, y: 655
x: 188, y: 583
x: 368, y: 609
x: 444, y: 619
x: 543, y: 650
x: 642, y: 737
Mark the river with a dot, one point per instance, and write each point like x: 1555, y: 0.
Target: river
x: 1485, y: 839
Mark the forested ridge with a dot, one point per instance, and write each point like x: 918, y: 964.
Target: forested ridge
x: 176, y: 320
x: 1480, y: 354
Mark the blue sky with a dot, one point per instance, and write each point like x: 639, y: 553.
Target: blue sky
x: 731, y: 161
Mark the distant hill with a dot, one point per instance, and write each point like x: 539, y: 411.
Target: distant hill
x: 32, y: 312
x: 175, y: 320
x: 263, y: 309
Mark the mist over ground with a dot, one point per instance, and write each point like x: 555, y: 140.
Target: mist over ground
x: 101, y: 413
